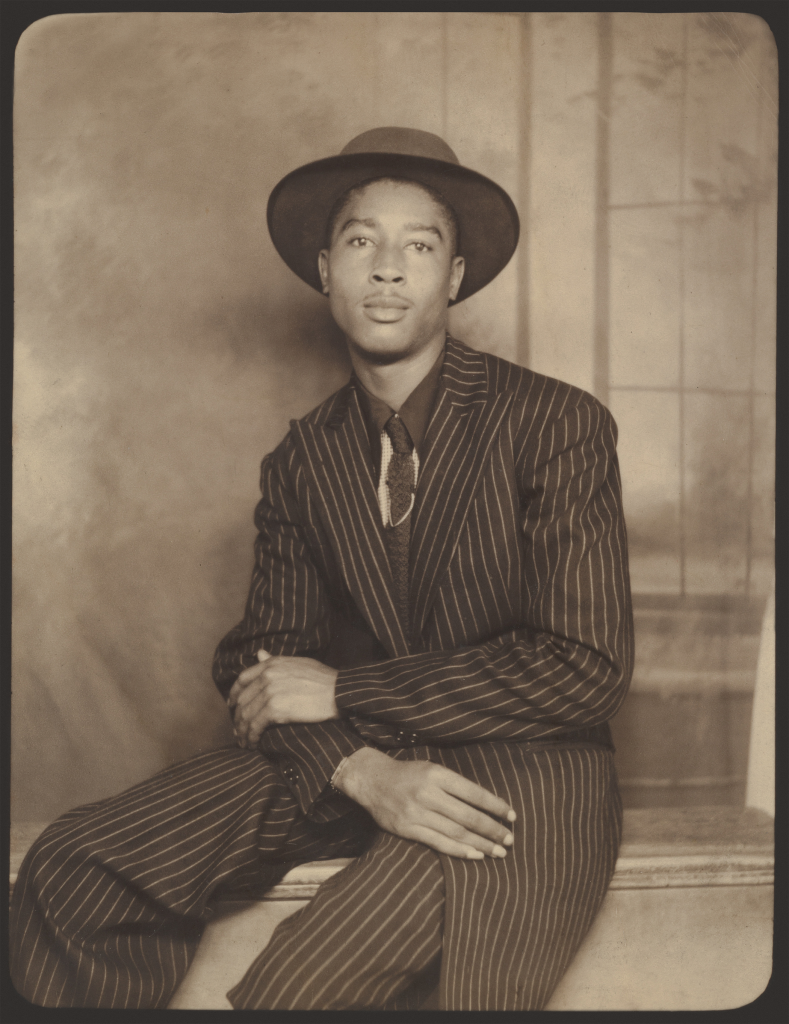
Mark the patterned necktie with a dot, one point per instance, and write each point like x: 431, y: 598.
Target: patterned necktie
x: 400, y: 480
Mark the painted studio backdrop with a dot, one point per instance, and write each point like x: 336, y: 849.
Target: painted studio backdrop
x: 162, y: 346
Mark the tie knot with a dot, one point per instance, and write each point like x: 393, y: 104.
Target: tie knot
x: 398, y: 435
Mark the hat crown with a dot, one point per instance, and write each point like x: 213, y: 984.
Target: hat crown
x: 408, y: 141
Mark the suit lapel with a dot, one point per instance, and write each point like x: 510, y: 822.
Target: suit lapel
x: 337, y: 461
x: 462, y: 429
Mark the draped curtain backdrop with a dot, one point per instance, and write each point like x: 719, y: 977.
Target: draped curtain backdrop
x: 161, y: 346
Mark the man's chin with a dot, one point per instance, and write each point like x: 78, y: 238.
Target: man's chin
x: 391, y: 343
x: 382, y: 351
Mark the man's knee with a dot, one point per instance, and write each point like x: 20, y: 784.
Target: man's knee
x: 368, y: 933
x: 396, y: 864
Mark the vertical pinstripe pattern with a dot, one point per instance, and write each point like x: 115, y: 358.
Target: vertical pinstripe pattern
x: 354, y: 952
x: 510, y: 927
x: 552, y: 653
x: 521, y: 651
x: 110, y: 902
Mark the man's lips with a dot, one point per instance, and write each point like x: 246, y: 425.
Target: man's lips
x: 385, y: 302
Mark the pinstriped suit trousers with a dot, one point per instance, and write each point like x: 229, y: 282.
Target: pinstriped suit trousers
x: 111, y: 900
x: 495, y: 934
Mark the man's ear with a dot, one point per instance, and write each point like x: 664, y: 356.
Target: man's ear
x: 456, y: 275
x: 323, y: 269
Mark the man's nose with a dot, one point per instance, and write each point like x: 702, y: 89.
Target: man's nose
x: 388, y: 268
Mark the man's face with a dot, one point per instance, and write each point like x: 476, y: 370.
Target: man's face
x: 389, y: 272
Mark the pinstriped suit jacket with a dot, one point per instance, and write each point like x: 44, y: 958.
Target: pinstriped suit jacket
x: 520, y: 598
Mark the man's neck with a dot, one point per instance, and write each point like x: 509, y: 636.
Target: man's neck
x: 394, y: 382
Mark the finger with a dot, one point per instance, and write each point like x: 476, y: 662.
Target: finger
x: 246, y: 677
x: 468, y: 791
x: 251, y: 693
x: 257, y: 727
x: 459, y: 834
x: 232, y: 696
x: 240, y: 732
x: 242, y: 682
x: 245, y: 716
x: 477, y: 822
x: 469, y: 818
x: 443, y: 844
x: 263, y: 655
x: 253, y: 731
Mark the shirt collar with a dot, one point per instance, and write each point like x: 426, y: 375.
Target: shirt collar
x: 414, y: 412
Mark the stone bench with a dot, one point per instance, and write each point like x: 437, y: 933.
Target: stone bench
x: 686, y: 924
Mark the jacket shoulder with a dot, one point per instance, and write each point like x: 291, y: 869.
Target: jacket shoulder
x: 282, y: 468
x: 540, y: 392
x: 328, y: 409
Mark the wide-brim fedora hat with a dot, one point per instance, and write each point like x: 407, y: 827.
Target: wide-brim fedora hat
x: 300, y: 204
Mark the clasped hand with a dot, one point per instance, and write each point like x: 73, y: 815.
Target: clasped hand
x: 280, y: 690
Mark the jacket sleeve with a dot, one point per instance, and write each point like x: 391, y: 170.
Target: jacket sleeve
x: 287, y: 613
x: 568, y: 665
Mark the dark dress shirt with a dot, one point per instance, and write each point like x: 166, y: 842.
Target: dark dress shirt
x: 414, y: 412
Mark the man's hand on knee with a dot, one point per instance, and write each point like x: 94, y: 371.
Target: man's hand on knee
x: 428, y: 803
x: 280, y: 690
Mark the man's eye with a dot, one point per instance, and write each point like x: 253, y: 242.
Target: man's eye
x: 421, y: 246
x: 360, y: 242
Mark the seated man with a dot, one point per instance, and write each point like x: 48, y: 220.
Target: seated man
x: 437, y: 631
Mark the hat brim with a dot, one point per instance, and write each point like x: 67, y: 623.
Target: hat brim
x: 299, y: 207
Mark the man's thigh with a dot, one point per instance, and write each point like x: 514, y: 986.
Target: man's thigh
x: 512, y: 926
